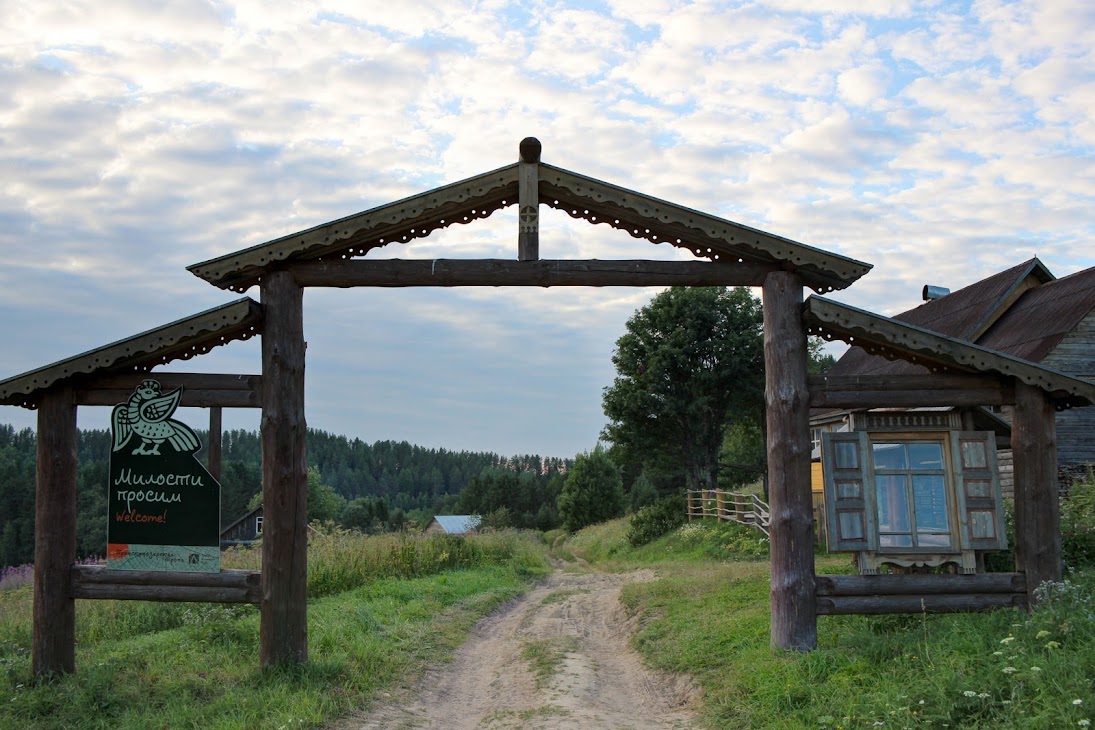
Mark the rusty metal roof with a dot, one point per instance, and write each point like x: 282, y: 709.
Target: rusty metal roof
x: 933, y: 351
x: 963, y: 314
x: 179, y: 340
x: 642, y: 216
x: 1037, y: 323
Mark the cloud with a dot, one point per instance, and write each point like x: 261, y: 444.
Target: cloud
x: 939, y: 142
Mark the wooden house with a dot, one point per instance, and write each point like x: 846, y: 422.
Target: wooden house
x: 244, y: 531
x: 452, y: 525
x: 1023, y: 311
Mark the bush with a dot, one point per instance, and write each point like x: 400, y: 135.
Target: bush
x: 1078, y: 524
x: 653, y: 521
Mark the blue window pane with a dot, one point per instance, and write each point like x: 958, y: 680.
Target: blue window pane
x: 889, y: 456
x: 926, y: 455
x: 893, y: 503
x: 930, y: 502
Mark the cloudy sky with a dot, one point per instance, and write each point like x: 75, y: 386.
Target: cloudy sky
x: 940, y: 141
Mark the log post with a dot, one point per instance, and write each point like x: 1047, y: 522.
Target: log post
x: 213, y: 448
x: 528, y: 200
x: 54, y: 639
x: 1037, y: 500
x: 283, y: 634
x: 793, y: 600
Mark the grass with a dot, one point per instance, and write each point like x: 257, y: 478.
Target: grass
x: 546, y: 656
x: 709, y: 616
x: 147, y: 665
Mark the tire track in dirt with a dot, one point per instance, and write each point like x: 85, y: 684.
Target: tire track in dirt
x: 596, y: 681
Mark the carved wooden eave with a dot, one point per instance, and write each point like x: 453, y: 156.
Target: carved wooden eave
x: 704, y: 235
x: 894, y: 340
x: 355, y: 235
x: 179, y: 340
x: 531, y: 183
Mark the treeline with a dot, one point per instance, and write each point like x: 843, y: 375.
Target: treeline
x: 370, y: 487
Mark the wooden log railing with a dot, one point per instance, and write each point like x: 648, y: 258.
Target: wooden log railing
x: 227, y: 586
x: 928, y: 593
x: 741, y: 507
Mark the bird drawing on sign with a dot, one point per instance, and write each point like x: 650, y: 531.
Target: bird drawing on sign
x: 148, y: 414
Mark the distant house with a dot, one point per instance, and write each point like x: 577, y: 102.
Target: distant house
x: 452, y: 524
x: 244, y: 531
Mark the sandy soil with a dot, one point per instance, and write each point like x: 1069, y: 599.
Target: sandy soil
x: 599, y: 683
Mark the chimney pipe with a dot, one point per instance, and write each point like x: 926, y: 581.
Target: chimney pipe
x: 934, y: 292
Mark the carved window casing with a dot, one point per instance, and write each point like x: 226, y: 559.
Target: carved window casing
x: 912, y: 497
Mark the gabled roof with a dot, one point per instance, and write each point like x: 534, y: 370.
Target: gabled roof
x: 179, y: 340
x: 964, y: 314
x: 642, y: 216
x: 890, y: 338
x: 458, y: 524
x: 1037, y: 323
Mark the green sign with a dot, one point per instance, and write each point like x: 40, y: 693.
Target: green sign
x: 164, y: 506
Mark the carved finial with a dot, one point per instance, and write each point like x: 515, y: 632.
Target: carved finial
x: 530, y: 149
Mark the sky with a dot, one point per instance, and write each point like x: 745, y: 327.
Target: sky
x: 939, y: 141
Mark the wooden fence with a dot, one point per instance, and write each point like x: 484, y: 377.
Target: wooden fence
x: 740, y: 507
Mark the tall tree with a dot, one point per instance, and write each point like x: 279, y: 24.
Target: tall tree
x: 689, y: 362
x: 593, y: 491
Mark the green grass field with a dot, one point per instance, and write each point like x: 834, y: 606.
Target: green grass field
x: 381, y: 609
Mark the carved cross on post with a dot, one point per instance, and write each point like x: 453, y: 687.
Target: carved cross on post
x: 528, y: 200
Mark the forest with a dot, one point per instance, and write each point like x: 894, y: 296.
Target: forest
x: 369, y: 487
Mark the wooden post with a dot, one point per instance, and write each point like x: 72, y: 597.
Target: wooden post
x: 54, y: 640
x: 794, y: 602
x: 213, y: 448
x: 528, y: 200
x: 283, y: 634
x: 1037, y: 501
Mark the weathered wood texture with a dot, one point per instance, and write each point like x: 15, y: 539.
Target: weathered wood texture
x: 54, y: 633
x: 543, y: 273
x: 866, y: 605
x: 893, y: 338
x: 793, y: 598
x: 892, y: 391
x: 229, y: 586
x: 284, y: 630
x: 915, y: 584
x: 200, y: 390
x: 1037, y: 504
x: 528, y: 200
x: 1076, y: 355
x: 213, y: 447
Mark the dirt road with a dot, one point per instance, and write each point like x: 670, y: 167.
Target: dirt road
x: 556, y: 659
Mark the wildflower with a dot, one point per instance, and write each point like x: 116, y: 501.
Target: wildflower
x: 1007, y: 640
x: 998, y: 653
x: 1005, y: 702
x: 970, y: 693
x: 984, y: 695
x: 1035, y: 669
x: 923, y: 702
x: 1013, y: 670
x: 1077, y: 702
x: 1041, y: 634
x: 1084, y: 723
x: 1053, y: 645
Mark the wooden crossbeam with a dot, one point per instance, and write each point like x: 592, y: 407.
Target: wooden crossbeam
x: 910, y: 391
x: 200, y: 390
x: 543, y: 273
x: 227, y: 586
